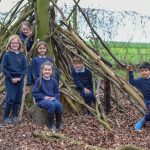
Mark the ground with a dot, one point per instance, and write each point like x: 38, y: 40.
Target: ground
x: 79, y: 127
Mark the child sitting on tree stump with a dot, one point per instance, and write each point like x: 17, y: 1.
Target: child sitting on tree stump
x: 46, y: 94
x: 83, y: 80
x: 143, y: 85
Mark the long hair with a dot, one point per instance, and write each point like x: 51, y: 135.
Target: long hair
x: 41, y: 43
x: 47, y: 63
x: 8, y: 47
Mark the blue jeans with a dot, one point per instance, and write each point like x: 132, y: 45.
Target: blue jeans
x: 51, y: 105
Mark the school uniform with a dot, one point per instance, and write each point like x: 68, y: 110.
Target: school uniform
x: 83, y: 79
x: 26, y: 40
x: 44, y: 87
x: 49, y: 87
x: 36, y: 67
x: 14, y: 65
x: 143, y: 85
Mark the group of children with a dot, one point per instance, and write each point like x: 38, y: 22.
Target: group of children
x: 44, y: 77
x: 41, y: 74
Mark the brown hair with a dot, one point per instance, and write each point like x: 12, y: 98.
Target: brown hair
x: 21, y: 47
x: 41, y: 43
x: 77, y: 59
x: 26, y: 23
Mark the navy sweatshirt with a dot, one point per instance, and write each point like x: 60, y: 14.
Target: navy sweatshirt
x: 82, y: 79
x: 14, y: 65
x: 36, y: 65
x: 44, y: 88
x: 26, y: 40
x: 143, y: 85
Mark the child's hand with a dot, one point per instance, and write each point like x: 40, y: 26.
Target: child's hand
x: 18, y: 79
x: 14, y: 80
x: 46, y: 97
x: 51, y: 98
x: 30, y: 34
x: 129, y: 68
x: 87, y: 91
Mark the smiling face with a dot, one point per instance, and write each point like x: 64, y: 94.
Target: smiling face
x: 78, y: 65
x: 14, y: 44
x: 25, y: 30
x: 145, y: 73
x: 42, y: 50
x: 47, y: 71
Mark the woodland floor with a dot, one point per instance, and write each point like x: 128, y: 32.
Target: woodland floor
x: 79, y: 127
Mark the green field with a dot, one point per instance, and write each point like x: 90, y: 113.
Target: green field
x: 134, y: 53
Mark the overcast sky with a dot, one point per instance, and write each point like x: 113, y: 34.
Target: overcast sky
x: 141, y: 6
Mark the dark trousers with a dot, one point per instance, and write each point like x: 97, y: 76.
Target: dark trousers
x: 14, y: 92
x: 88, y: 98
x: 147, y: 115
x: 51, y: 105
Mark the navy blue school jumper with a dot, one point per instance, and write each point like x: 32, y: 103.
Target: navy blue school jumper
x: 83, y: 79
x: 143, y: 85
x: 36, y: 67
x: 42, y: 88
x: 26, y: 40
x: 14, y: 65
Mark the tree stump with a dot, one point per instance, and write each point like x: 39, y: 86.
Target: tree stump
x: 39, y: 116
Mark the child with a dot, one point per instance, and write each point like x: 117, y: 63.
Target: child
x: 83, y: 80
x: 143, y: 85
x: 46, y: 94
x: 26, y: 34
x: 37, y: 62
x: 14, y: 67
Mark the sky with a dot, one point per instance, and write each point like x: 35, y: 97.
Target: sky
x: 139, y: 6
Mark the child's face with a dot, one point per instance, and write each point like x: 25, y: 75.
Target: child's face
x: 14, y: 44
x: 26, y: 30
x: 145, y: 73
x: 78, y: 65
x: 42, y: 50
x: 47, y: 71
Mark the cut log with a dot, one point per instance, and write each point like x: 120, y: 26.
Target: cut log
x: 39, y: 116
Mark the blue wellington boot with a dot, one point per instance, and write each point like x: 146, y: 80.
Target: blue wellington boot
x: 138, y: 126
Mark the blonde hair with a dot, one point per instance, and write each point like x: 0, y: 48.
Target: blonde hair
x: 47, y: 63
x: 41, y: 43
x: 8, y: 47
x: 26, y: 23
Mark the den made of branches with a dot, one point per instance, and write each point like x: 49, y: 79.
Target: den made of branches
x: 64, y: 43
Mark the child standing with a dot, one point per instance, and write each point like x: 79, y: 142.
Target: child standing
x: 46, y: 94
x: 143, y: 85
x: 37, y: 62
x: 26, y: 35
x: 14, y: 67
x: 83, y: 80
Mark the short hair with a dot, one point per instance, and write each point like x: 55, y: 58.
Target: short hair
x: 77, y: 59
x: 21, y: 47
x: 145, y: 65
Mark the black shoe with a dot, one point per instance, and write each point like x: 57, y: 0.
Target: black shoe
x: 51, y: 122
x: 6, y: 113
x: 58, y: 121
